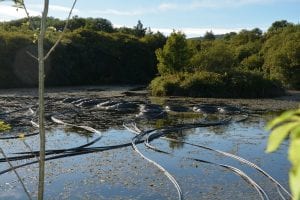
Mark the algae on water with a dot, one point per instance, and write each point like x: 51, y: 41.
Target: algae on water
x: 4, y: 126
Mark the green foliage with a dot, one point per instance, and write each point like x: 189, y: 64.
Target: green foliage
x: 94, y: 52
x: 212, y: 84
x: 91, y: 57
x: 174, y: 56
x: 209, y: 36
x: 282, y: 127
x: 165, y: 85
x: 4, y: 126
x: 99, y: 24
x: 278, y: 26
x: 246, y: 50
x: 246, y: 36
x: 139, y: 29
x: 250, y: 63
x: 217, y: 57
x: 282, y: 57
x: 85, y: 56
x: 253, y: 62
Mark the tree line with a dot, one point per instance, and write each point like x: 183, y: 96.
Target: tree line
x: 91, y: 52
x: 95, y: 52
x: 245, y: 64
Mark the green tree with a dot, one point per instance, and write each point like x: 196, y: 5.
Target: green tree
x: 282, y: 56
x: 139, y: 29
x: 99, y: 24
x: 175, y: 54
x: 229, y: 36
x: 209, y: 35
x: 76, y: 23
x: 246, y: 50
x: 126, y: 30
x: 253, y: 63
x: 245, y: 36
x: 278, y: 25
x: 216, y: 58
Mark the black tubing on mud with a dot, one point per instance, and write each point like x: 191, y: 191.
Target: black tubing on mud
x: 137, y: 139
x: 156, y: 133
x: 240, y: 159
x: 235, y: 170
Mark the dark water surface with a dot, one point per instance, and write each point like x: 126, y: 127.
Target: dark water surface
x: 123, y: 174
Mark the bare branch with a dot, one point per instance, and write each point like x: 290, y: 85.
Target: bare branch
x: 19, y: 178
x: 33, y: 56
x: 28, y: 16
x: 63, y: 32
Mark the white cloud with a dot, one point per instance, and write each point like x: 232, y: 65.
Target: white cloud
x: 191, y: 5
x: 7, y: 12
x: 118, y: 12
x: 167, y: 6
x: 53, y: 8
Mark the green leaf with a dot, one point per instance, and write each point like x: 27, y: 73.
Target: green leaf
x: 294, y: 176
x: 288, y: 115
x: 279, y: 134
x: 294, y: 149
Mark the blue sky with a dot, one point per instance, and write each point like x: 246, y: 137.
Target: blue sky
x: 194, y: 17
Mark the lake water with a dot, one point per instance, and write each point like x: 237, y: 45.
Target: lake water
x: 123, y: 174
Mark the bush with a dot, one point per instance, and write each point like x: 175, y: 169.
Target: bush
x: 252, y: 85
x: 210, y: 84
x: 204, y: 84
x: 166, y: 85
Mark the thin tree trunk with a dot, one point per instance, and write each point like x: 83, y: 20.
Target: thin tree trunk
x: 41, y: 101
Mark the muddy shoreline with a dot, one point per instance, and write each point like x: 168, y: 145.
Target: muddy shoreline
x: 16, y: 102
x: 29, y: 96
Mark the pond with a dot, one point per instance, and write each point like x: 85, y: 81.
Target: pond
x: 122, y: 173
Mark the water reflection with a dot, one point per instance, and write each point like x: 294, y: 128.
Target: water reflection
x: 71, y: 130
x: 179, y: 135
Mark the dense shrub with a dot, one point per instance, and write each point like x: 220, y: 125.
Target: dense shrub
x: 282, y: 55
x: 94, y: 52
x: 210, y: 84
x: 166, y: 85
x: 216, y: 58
x: 252, y: 85
x: 85, y: 57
